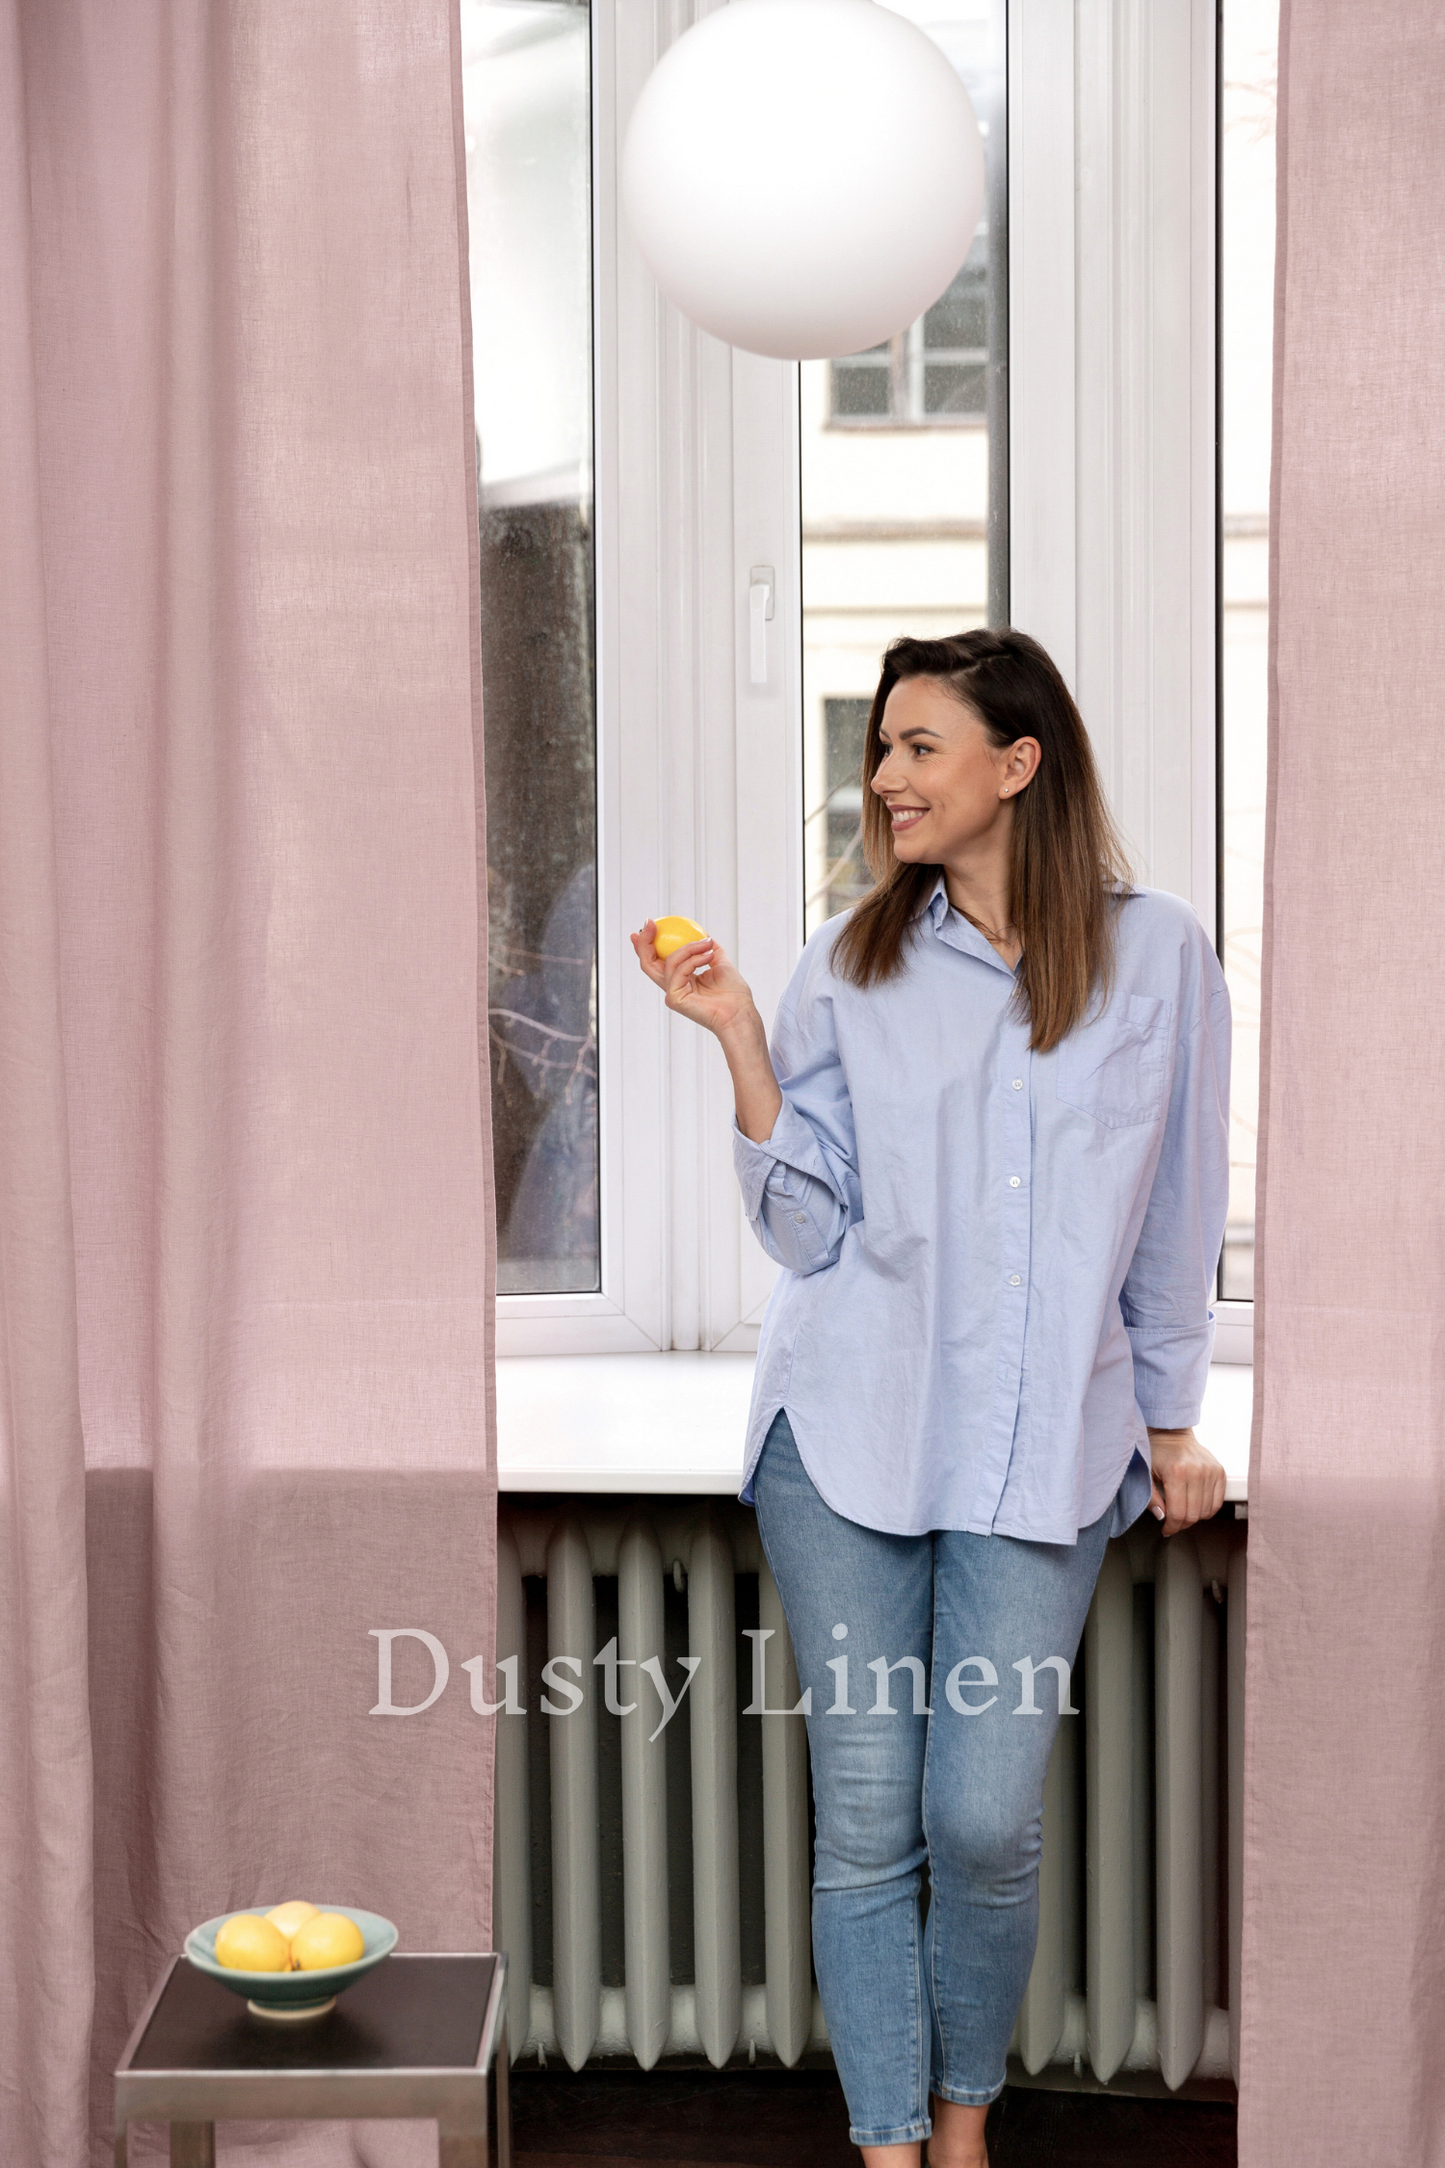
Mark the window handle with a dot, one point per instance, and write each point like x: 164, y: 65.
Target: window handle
x: 761, y: 581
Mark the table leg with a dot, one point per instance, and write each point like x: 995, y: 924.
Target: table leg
x: 502, y: 2079
x: 193, y: 2145
x: 469, y: 2149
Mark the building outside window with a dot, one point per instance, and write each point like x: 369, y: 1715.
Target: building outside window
x: 933, y: 373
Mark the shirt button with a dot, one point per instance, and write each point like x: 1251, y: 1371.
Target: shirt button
x: 1013, y: 1181
x: 1015, y: 1279
x: 1018, y: 1083
x: 800, y: 1219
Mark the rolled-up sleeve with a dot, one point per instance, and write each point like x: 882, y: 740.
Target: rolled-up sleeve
x: 800, y: 1186
x: 1170, y: 1281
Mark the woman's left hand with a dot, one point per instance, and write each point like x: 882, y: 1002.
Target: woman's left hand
x: 1188, y: 1480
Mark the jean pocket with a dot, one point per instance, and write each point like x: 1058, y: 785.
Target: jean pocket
x: 1116, y: 1067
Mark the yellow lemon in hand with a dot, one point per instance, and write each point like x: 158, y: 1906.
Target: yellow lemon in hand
x: 328, y: 1939
x: 247, y: 1943
x: 289, y: 1917
x: 675, y: 933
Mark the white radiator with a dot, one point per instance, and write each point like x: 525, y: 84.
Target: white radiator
x: 680, y: 1926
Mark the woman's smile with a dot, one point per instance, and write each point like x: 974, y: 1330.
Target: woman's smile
x: 905, y: 816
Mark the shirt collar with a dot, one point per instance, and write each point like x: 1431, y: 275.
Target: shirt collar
x: 958, y: 932
x: 936, y: 903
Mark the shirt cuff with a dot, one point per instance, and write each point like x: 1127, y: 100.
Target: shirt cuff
x: 791, y: 1143
x: 1171, y: 1370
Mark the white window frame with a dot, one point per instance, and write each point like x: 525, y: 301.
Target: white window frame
x: 1112, y: 558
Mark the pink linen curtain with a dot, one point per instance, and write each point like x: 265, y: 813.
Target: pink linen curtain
x: 245, y: 1257
x: 1343, y: 1999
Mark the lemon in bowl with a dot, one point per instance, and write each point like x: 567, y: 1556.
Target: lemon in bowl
x: 331, y: 1958
x: 325, y: 1941
x: 289, y: 1917
x: 247, y: 1943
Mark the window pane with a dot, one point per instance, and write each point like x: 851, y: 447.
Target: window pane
x: 844, y: 723
x: 960, y: 318
x: 1250, y: 35
x: 861, y: 386
x: 527, y: 103
x: 955, y: 388
x: 904, y: 511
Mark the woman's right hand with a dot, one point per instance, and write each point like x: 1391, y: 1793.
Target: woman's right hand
x: 701, y: 981
x: 698, y: 980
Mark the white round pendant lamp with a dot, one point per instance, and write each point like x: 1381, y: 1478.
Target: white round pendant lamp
x: 803, y: 177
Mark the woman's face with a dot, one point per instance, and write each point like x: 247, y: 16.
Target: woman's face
x: 946, y: 785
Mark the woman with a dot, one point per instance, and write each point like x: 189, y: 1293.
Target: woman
x: 989, y: 1149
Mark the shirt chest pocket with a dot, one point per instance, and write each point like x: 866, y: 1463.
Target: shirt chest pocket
x: 1116, y: 1068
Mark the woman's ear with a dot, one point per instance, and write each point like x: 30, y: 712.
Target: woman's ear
x: 1018, y: 766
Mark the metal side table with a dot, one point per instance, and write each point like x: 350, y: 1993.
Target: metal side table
x: 419, y: 2036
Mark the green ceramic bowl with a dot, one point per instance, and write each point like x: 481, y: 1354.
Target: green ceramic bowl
x: 292, y: 1994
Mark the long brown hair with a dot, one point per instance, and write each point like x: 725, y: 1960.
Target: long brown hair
x: 1068, y: 862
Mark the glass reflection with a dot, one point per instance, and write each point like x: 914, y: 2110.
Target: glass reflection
x: 527, y: 105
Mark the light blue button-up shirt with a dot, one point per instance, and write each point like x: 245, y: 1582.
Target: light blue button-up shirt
x: 997, y: 1264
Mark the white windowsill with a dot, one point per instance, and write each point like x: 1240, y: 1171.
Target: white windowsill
x: 676, y: 1422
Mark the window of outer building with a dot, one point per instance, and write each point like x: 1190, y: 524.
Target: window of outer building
x: 935, y: 372
x: 1248, y: 44
x: 527, y: 106
x: 904, y: 486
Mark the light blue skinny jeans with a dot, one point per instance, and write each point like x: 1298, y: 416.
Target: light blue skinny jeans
x: 913, y: 2011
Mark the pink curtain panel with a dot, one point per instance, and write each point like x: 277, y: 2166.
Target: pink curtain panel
x: 246, y: 1263
x: 1343, y: 2004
